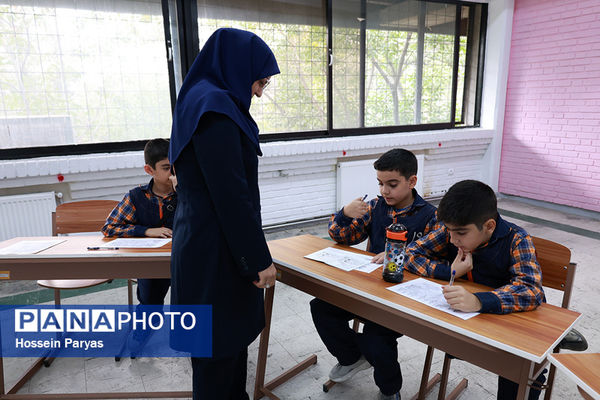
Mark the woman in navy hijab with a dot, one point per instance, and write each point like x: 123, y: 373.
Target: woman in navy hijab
x: 220, y: 256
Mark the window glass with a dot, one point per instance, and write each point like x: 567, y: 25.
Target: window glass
x: 296, y: 99
x: 75, y: 72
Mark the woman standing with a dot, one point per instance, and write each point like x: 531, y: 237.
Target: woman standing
x: 220, y: 256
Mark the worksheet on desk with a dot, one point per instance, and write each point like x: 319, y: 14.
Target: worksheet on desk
x: 135, y: 243
x: 30, y: 246
x: 346, y: 260
x: 429, y: 293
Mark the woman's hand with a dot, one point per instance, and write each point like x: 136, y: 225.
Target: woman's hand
x: 266, y: 277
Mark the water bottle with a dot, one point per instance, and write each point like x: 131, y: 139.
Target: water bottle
x: 393, y: 261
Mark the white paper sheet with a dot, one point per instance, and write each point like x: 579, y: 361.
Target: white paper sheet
x: 429, y: 293
x: 30, y: 246
x: 345, y: 260
x: 135, y: 243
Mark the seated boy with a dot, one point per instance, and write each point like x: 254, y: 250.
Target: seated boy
x: 148, y: 211
x: 357, y: 221
x: 479, y: 245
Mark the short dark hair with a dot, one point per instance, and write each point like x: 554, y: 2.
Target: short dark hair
x: 468, y: 202
x: 156, y: 150
x: 400, y: 160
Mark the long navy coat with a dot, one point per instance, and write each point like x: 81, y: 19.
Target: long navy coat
x: 218, y: 242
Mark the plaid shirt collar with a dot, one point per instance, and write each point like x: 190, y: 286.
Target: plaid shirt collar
x: 417, y: 203
x: 147, y: 188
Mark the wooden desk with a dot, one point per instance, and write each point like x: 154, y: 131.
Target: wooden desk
x: 71, y: 260
x: 583, y: 368
x: 511, y: 345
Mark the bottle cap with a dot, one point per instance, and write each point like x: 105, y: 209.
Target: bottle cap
x: 396, y: 235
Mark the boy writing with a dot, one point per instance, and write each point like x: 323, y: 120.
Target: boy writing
x: 148, y: 211
x: 357, y: 221
x: 479, y: 245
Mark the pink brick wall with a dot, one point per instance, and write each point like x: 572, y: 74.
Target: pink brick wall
x: 551, y: 140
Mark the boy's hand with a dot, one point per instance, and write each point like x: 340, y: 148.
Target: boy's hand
x: 173, y: 180
x: 463, y: 263
x: 266, y: 277
x: 356, y: 208
x: 378, y: 259
x: 461, y: 299
x: 161, y: 232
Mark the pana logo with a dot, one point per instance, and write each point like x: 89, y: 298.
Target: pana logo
x: 98, y: 320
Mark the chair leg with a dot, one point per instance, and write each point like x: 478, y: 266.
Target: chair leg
x: 48, y: 360
x: 550, y: 382
x: 445, y: 373
x: 426, y: 383
x: 444, y: 382
x: 129, y: 292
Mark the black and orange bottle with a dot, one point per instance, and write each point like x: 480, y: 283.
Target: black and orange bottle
x: 393, y: 261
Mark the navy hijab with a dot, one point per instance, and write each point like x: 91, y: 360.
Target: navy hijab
x: 220, y: 80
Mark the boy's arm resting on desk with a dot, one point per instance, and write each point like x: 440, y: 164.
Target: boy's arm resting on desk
x: 424, y: 255
x: 524, y: 293
x: 121, y: 222
x: 349, y: 231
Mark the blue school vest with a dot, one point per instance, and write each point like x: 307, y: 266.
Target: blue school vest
x: 147, y: 213
x: 491, y: 263
x: 419, y: 214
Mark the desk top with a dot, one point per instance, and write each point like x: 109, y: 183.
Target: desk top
x: 583, y: 368
x: 531, y: 335
x: 72, y: 260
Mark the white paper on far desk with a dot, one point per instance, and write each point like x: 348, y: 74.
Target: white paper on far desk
x: 136, y: 243
x: 30, y: 246
x: 429, y: 293
x: 343, y: 259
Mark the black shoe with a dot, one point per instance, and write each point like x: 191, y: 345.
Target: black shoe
x: 573, y: 341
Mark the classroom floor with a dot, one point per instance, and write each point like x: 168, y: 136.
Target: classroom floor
x: 293, y: 336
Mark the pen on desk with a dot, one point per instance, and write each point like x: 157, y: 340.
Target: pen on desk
x: 103, y: 248
x: 452, y: 278
x: 364, y: 197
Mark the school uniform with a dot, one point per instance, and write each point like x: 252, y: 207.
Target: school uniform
x: 376, y: 343
x: 140, y: 210
x: 506, y: 262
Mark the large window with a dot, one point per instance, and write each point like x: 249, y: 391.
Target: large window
x: 105, y: 74
x: 403, y: 63
x: 82, y: 72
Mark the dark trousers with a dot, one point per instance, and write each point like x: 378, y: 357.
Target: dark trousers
x: 377, y: 343
x: 152, y: 291
x: 507, y: 390
x: 223, y: 378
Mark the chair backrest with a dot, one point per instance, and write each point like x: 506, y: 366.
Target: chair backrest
x: 81, y: 216
x: 558, y: 272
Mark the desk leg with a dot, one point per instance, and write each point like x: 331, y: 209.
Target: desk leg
x: 526, y: 373
x: 260, y: 388
x: 263, y: 346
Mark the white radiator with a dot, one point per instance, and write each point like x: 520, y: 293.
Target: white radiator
x: 26, y: 215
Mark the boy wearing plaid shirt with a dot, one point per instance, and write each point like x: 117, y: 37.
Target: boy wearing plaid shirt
x: 480, y: 246
x: 148, y: 211
x: 356, y: 222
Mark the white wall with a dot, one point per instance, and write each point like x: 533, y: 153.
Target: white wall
x: 298, y: 178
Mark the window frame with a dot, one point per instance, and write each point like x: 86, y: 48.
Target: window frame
x: 186, y: 14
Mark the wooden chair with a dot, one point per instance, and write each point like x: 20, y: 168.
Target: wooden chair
x: 78, y: 217
x: 558, y: 272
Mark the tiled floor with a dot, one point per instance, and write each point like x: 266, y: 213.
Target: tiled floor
x: 293, y: 336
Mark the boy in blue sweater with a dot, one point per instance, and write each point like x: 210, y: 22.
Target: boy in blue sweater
x: 147, y: 211
x: 357, y: 221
